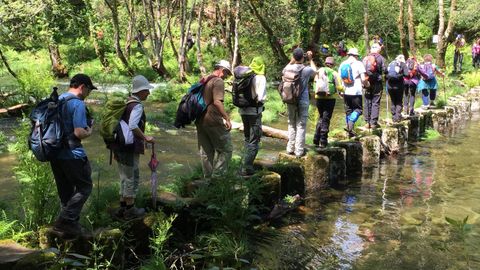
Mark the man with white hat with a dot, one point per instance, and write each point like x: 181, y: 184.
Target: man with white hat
x: 375, y: 67
x: 213, y: 127
x: 352, y: 73
x: 128, y: 157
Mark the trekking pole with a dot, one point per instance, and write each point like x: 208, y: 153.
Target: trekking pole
x: 386, y: 90
x: 444, y: 91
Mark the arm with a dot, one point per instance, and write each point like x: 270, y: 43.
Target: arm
x: 80, y: 128
x: 133, y: 121
x: 219, y: 105
x: 218, y: 95
x: 260, y: 86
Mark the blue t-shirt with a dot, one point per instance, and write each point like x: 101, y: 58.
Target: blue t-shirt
x: 76, y: 117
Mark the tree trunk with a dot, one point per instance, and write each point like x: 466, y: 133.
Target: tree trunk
x: 58, y: 69
x: 317, y: 26
x: 203, y: 71
x: 5, y: 62
x: 272, y: 39
x: 96, y: 36
x: 365, y: 26
x: 236, y: 50
x: 444, y: 34
x: 401, y: 28
x: 411, y: 29
x: 112, y: 5
x: 184, y: 29
x: 266, y: 131
x: 130, y: 6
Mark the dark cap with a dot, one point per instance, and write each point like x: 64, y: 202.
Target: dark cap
x: 80, y: 79
x: 298, y: 54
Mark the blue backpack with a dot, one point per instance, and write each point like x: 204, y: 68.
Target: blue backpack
x: 192, y: 104
x: 47, y: 136
x: 427, y: 71
x: 346, y: 73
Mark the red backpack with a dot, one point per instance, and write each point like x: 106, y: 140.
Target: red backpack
x: 412, y: 66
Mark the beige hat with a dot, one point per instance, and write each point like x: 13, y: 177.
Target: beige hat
x: 224, y: 64
x: 140, y: 83
x: 329, y: 60
x: 353, y: 51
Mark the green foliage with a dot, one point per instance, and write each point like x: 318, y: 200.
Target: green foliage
x: 38, y: 195
x: 423, y: 34
x: 171, y: 92
x: 460, y: 227
x: 35, y: 83
x: 11, y: 229
x: 472, y: 79
x: 161, y: 234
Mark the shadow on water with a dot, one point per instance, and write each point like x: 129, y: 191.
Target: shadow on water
x: 393, y: 217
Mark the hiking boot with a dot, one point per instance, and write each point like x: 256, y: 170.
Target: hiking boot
x: 118, y: 213
x: 432, y: 104
x: 246, y: 173
x: 68, y: 229
x: 133, y: 212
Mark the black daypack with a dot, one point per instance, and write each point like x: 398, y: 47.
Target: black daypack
x: 47, y: 136
x: 242, y: 87
x: 192, y: 105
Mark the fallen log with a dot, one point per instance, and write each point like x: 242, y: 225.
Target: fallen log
x: 266, y: 130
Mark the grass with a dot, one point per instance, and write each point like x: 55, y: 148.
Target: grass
x: 431, y: 135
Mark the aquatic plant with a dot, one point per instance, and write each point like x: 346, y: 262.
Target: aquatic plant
x: 431, y: 134
x: 460, y: 226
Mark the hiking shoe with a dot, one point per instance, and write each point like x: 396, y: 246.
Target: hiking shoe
x: 118, y: 213
x: 291, y: 153
x: 68, y: 229
x: 133, y: 213
x: 246, y: 174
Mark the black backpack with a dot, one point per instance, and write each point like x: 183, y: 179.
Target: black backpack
x: 47, y: 136
x: 242, y: 87
x: 192, y: 105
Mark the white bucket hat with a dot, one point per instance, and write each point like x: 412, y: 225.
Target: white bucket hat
x: 353, y: 51
x: 224, y: 64
x: 140, y: 83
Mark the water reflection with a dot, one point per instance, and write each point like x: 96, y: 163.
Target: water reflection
x: 394, y: 217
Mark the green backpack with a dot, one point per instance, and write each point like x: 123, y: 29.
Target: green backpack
x: 111, y: 115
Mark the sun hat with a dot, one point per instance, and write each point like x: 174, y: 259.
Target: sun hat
x: 400, y: 58
x: 329, y: 60
x: 224, y: 64
x: 375, y: 47
x: 353, y: 51
x: 140, y: 83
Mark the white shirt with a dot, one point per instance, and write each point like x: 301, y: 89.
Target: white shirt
x: 358, y: 69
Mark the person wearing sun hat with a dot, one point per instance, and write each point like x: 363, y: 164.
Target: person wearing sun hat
x: 213, y: 127
x: 128, y: 157
x: 353, y: 91
x: 252, y: 116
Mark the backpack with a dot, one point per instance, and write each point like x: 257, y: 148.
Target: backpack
x: 476, y: 49
x: 412, y: 66
x: 427, y: 71
x: 242, y: 87
x: 192, y: 105
x: 370, y: 63
x: 346, y: 73
x: 47, y: 136
x: 113, y: 129
x: 394, y: 71
x: 291, y: 86
x: 324, y: 82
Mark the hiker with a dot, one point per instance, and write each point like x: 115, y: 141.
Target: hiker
x: 325, y: 101
x: 410, y: 88
x: 128, y: 156
x: 252, y: 115
x: 352, y: 73
x: 375, y: 67
x: 428, y: 83
x: 458, y: 55
x: 397, y: 70
x: 476, y: 54
x: 213, y: 127
x: 71, y: 168
x: 341, y: 48
x: 298, y: 112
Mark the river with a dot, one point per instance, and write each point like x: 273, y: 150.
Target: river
x: 393, y: 217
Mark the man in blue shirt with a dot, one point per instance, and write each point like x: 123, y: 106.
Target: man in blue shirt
x: 71, y: 167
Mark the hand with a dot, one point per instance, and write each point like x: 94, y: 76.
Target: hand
x: 228, y: 124
x: 88, y: 130
x: 149, y: 139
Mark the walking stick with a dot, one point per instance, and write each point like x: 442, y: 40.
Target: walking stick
x: 444, y: 91
x: 386, y: 90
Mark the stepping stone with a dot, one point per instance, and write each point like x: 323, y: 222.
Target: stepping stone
x: 11, y: 252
